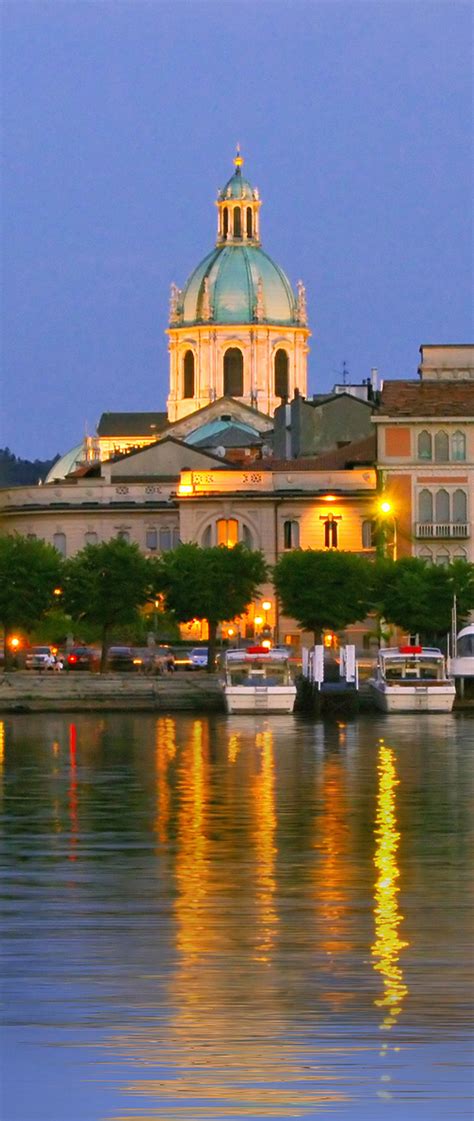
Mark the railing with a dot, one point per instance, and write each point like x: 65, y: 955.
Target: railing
x: 443, y: 529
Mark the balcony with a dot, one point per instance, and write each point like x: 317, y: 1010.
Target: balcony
x: 451, y: 531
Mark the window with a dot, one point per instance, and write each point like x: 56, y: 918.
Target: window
x: 442, y: 559
x: 151, y: 539
x: 281, y: 374
x: 247, y: 537
x: 249, y: 221
x: 458, y: 445
x: 237, y: 223
x: 233, y: 372
x: 31, y: 537
x: 425, y: 506
x: 165, y: 539
x: 368, y: 535
x: 459, y: 506
x: 460, y: 554
x: 441, y: 447
x: 291, y: 535
x: 188, y: 374
x: 424, y: 445
x: 226, y: 221
x: 227, y: 532
x: 123, y: 535
x: 426, y: 555
x: 207, y: 537
x: 90, y: 537
x: 59, y: 542
x: 175, y: 537
x: 442, y: 506
x: 330, y: 533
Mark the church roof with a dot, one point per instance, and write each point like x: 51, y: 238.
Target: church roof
x: 132, y: 424
x: 240, y: 279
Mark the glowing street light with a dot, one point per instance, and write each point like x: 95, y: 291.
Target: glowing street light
x: 386, y: 510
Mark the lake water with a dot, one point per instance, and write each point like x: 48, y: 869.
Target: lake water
x: 227, y: 917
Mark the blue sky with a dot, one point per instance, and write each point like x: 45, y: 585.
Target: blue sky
x: 120, y: 123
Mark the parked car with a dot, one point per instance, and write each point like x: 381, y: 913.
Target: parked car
x: 121, y: 659
x: 182, y: 658
x: 82, y: 658
x: 199, y: 657
x: 42, y: 658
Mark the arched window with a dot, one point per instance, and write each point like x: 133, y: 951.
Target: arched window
x: 291, y: 535
x: 59, y: 542
x: 227, y: 532
x: 123, y: 535
x: 441, y: 447
x: 460, y: 554
x: 206, y: 540
x: 247, y: 537
x: 226, y: 222
x: 424, y: 445
x: 237, y: 222
x: 152, y: 538
x: 458, y: 445
x: 90, y: 537
x: 233, y: 372
x: 330, y: 532
x: 426, y: 555
x: 368, y: 535
x: 165, y: 539
x: 459, y: 506
x: 425, y: 506
x: 249, y: 221
x: 188, y: 374
x: 442, y: 506
x: 281, y: 373
x: 442, y: 558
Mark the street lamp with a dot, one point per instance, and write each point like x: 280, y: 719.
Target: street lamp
x: 387, y: 512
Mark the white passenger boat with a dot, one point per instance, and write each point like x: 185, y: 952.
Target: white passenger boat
x: 258, y: 680
x: 412, y: 679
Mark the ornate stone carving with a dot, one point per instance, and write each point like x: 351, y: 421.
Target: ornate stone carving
x: 301, y: 312
x: 175, y: 296
x: 206, y: 301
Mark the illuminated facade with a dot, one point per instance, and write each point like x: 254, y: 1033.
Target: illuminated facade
x: 237, y: 328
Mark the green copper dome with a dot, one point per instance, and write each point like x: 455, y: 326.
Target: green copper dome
x: 237, y: 188
x: 237, y: 284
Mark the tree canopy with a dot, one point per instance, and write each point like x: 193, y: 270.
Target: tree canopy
x: 29, y: 573
x: 418, y: 597
x: 216, y: 583
x: 323, y: 589
x: 106, y: 584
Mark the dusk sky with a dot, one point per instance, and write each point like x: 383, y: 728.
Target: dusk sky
x: 120, y: 124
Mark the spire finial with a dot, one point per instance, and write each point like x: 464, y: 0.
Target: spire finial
x: 238, y: 159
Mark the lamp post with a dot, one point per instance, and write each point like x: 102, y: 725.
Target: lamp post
x: 386, y: 510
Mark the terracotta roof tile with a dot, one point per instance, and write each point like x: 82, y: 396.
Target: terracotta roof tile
x: 427, y: 398
x: 360, y: 452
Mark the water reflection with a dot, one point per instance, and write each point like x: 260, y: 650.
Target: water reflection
x: 215, y: 932
x: 388, y: 945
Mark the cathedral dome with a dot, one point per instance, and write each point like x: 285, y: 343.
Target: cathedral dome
x: 238, y: 284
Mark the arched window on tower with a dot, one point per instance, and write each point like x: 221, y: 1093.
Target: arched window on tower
x: 233, y: 372
x: 249, y: 222
x: 441, y: 447
x: 237, y: 222
x: 442, y: 507
x: 459, y: 507
x: 424, y: 445
x: 188, y: 374
x: 225, y: 229
x: 281, y: 373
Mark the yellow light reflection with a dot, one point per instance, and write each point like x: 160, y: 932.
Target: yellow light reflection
x: 192, y: 870
x: 233, y: 748
x: 2, y: 754
x: 334, y: 877
x: 165, y: 742
x: 387, y: 946
x: 264, y: 794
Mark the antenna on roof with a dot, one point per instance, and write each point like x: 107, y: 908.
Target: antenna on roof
x: 345, y: 372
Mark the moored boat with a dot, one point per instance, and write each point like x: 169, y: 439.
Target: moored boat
x: 412, y: 679
x: 258, y: 680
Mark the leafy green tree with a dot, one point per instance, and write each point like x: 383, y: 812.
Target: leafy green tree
x: 323, y: 590
x: 418, y: 597
x: 106, y: 584
x: 29, y: 573
x: 216, y: 584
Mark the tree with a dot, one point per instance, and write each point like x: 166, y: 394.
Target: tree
x: 323, y: 589
x: 418, y: 597
x: 29, y: 573
x: 106, y: 584
x: 215, y: 584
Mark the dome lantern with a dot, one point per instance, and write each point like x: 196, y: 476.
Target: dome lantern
x: 238, y: 205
